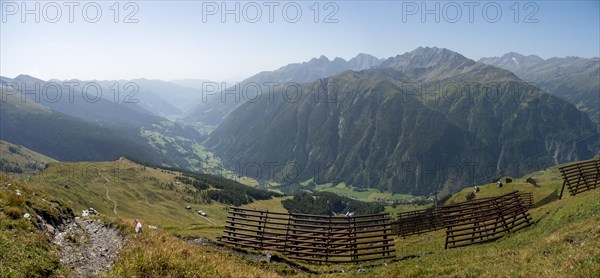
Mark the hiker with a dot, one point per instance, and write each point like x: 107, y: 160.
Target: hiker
x: 138, y: 226
x: 476, y: 189
x: 499, y: 184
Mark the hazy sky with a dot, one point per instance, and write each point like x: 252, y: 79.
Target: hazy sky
x: 187, y: 39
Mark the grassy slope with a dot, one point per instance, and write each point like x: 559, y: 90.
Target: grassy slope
x: 394, y: 211
x: 157, y: 254
x: 138, y: 193
x: 270, y: 205
x: 547, y: 181
x: 563, y: 242
x: 22, y: 157
x: 26, y: 251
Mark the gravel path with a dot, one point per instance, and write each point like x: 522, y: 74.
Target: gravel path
x: 89, y: 247
x: 108, y: 197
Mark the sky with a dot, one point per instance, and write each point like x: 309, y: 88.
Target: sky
x: 230, y: 41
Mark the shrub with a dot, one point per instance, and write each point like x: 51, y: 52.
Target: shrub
x: 235, y: 198
x: 13, y: 212
x: 328, y: 203
x: 532, y: 181
x: 13, y: 150
x: 15, y: 200
x: 198, y: 184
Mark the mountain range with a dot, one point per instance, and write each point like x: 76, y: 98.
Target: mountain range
x: 572, y: 78
x: 83, y: 99
x: 215, y: 109
x: 423, y: 121
x: 75, y: 120
x: 66, y: 137
x: 427, y: 120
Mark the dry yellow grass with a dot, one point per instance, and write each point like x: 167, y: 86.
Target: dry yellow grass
x: 157, y: 254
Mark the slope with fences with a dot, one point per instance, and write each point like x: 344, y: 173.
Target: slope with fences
x: 484, y: 219
x: 470, y: 222
x: 580, y: 177
x: 358, y: 238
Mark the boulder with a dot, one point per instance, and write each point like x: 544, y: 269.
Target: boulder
x: 50, y: 229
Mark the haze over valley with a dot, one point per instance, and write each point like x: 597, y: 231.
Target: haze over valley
x: 191, y: 118
x: 423, y: 121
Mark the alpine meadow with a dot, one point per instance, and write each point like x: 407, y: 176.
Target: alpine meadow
x: 300, y: 139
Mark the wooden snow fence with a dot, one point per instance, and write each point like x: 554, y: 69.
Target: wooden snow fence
x: 580, y: 177
x: 315, y: 238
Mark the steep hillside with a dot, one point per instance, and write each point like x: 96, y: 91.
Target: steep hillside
x: 68, y: 138
x: 383, y: 128
x: 86, y: 100
x: 344, y: 140
x: 20, y: 160
x: 26, y: 248
x: 84, y: 130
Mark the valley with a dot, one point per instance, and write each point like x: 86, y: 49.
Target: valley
x: 390, y: 130
x: 300, y: 139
